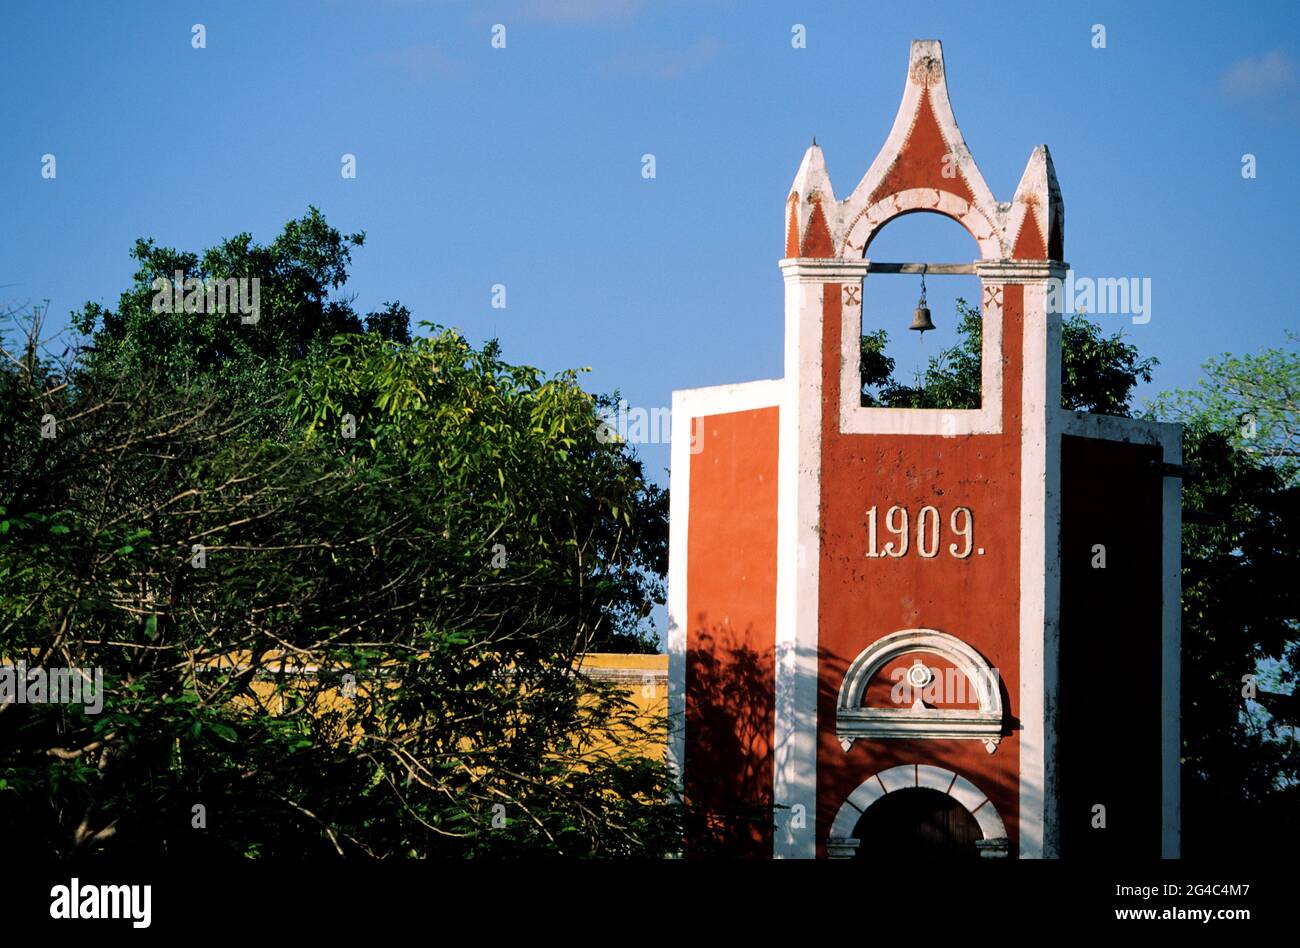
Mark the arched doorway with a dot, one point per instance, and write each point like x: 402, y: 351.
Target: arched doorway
x: 931, y: 817
x: 917, y: 823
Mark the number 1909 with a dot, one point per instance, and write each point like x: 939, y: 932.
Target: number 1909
x: 961, y: 523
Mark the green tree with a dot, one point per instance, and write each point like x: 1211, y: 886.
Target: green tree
x: 1098, y: 372
x: 232, y: 517
x: 1253, y: 400
x: 1241, y: 606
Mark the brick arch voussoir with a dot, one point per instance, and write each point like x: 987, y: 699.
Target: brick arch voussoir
x: 906, y: 776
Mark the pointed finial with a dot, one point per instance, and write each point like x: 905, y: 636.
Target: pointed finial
x: 814, y: 144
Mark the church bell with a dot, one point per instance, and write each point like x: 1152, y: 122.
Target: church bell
x: 921, y: 320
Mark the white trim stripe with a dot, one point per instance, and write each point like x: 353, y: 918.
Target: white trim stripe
x: 794, y: 775
x: 1040, y: 517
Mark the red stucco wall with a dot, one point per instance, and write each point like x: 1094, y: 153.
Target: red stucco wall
x: 863, y: 599
x: 730, y: 642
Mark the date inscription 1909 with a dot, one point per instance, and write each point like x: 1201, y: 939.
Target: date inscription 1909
x: 898, y: 522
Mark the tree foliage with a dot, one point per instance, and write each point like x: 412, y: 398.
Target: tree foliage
x: 1241, y: 605
x: 231, y: 518
x: 1098, y: 372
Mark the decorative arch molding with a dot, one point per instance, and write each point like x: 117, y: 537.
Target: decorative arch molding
x: 841, y: 844
x: 853, y: 721
x: 870, y: 221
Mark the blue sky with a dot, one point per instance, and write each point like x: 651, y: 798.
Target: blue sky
x: 522, y: 165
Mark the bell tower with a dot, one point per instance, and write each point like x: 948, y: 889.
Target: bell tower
x: 955, y: 629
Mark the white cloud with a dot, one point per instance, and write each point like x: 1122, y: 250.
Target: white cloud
x: 664, y: 63
x: 422, y: 61
x: 582, y: 11
x: 1257, y: 76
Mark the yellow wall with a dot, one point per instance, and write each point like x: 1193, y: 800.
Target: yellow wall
x: 643, y: 677
x: 646, y: 679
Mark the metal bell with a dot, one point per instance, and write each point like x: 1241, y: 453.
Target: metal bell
x: 921, y: 320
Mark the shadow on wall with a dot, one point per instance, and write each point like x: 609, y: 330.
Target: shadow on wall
x: 729, y: 752
x: 730, y: 758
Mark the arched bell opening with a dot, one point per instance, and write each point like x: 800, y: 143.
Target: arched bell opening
x: 897, y: 350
